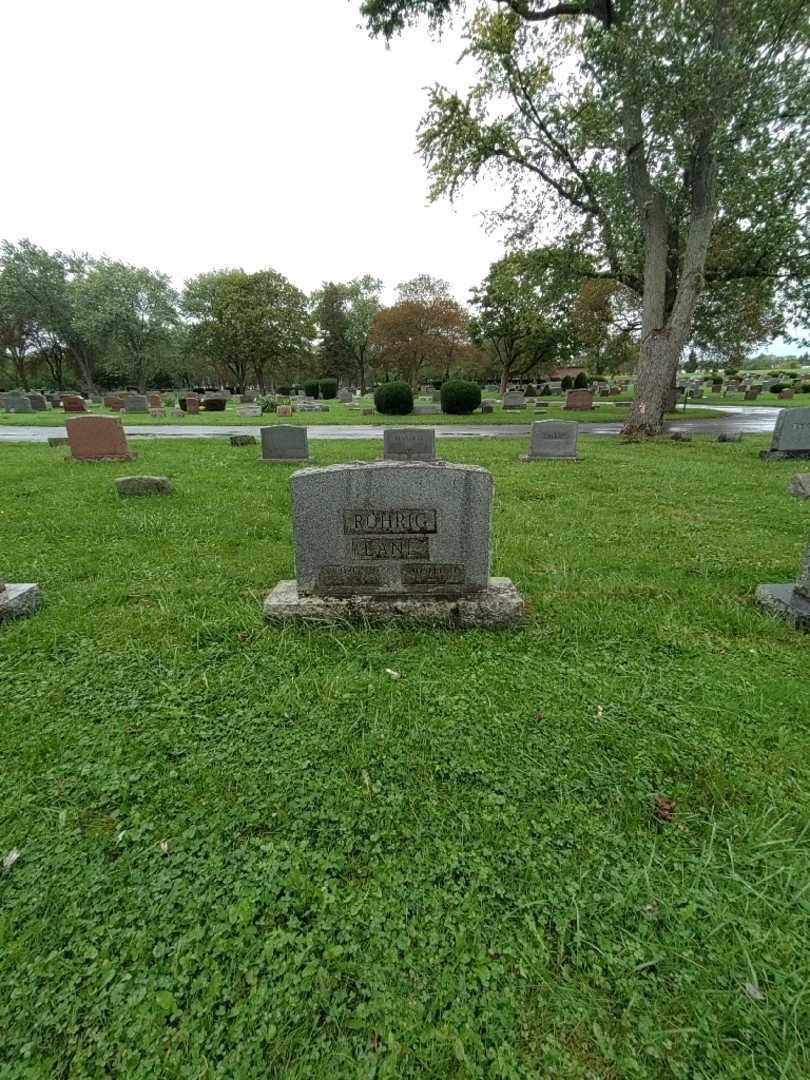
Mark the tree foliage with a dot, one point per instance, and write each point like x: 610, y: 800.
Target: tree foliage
x: 646, y: 130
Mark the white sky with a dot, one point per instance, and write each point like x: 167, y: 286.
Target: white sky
x: 188, y: 135
x: 185, y: 135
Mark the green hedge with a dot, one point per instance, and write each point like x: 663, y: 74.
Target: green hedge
x: 459, y: 397
x: 393, y: 399
x: 311, y: 387
x: 329, y: 388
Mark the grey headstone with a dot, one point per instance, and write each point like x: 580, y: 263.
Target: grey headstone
x: 143, y: 485
x: 136, y: 403
x: 345, y: 396
x: 38, y: 402
x: 249, y: 409
x: 426, y: 410
x: 730, y: 436
x: 18, y: 601
x: 18, y: 404
x: 552, y: 439
x: 800, y: 485
x: 791, y: 436
x: 391, y: 528
x: 284, y: 442
x: 681, y: 436
x: 409, y: 444
x: 514, y: 399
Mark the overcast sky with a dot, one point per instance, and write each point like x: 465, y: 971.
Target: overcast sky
x: 185, y: 135
x: 188, y: 135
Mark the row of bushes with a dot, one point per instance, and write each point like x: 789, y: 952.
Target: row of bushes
x: 458, y: 398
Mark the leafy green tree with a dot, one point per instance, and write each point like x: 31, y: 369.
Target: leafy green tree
x: 361, y: 303
x: 334, y: 348
x: 522, y: 312
x: 643, y: 126
x: 128, y: 312
x: 248, y: 324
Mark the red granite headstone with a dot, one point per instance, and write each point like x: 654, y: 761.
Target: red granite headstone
x: 786, y: 394
x: 579, y: 400
x: 97, y: 438
x: 192, y: 404
x: 155, y: 401
x: 73, y: 403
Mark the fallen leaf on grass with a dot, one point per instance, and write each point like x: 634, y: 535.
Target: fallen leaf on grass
x: 393, y: 674
x: 751, y: 990
x: 664, y: 808
x: 164, y: 846
x: 376, y: 1041
x: 10, y: 859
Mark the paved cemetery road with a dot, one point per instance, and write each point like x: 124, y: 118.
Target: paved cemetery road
x: 731, y: 418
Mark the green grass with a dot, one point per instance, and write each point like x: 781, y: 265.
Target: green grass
x: 453, y: 874
x: 340, y: 414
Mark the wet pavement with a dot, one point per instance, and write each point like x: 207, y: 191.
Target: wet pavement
x: 748, y: 420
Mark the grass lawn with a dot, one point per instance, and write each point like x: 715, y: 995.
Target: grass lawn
x: 341, y: 414
x: 248, y: 852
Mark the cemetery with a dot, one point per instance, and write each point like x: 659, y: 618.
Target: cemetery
x: 405, y: 541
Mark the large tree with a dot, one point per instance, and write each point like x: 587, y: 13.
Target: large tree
x: 332, y: 320
x: 426, y: 329
x: 646, y: 127
x: 523, y: 312
x: 248, y: 324
x: 128, y: 312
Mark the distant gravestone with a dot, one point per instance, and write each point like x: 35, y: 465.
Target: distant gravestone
x: 752, y: 393
x: 73, y: 403
x: 137, y: 403
x: 109, y: 400
x: 18, y: 601
x: 514, y: 399
x: 249, y: 409
x: 284, y: 442
x: 409, y: 444
x: 394, y: 540
x: 192, y: 404
x: 790, y: 602
x: 284, y: 410
x: 578, y: 401
x: 157, y: 412
x: 18, y: 403
x: 552, y: 439
x: 786, y: 394
x: 696, y: 393
x: 791, y: 436
x: 247, y: 397
x: 729, y: 436
x: 426, y: 410
x: 155, y: 401
x: 97, y: 438
x: 345, y: 396
x: 38, y: 402
x: 487, y: 407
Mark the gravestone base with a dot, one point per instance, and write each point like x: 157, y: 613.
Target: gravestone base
x: 19, y: 601
x: 288, y: 460
x: 558, y: 457
x: 96, y: 460
x: 784, y: 602
x: 497, y: 607
x: 784, y: 455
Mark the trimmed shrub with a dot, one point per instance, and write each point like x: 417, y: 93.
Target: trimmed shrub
x: 530, y: 391
x: 311, y: 387
x: 329, y: 388
x: 393, y: 399
x: 777, y: 386
x: 459, y: 397
x: 567, y: 383
x: 545, y: 390
x: 581, y: 381
x: 803, y: 389
x: 284, y: 391
x: 214, y: 404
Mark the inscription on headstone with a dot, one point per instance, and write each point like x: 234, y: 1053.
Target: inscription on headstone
x: 409, y: 444
x: 552, y: 439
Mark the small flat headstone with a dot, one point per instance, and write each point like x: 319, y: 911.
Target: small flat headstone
x: 800, y: 486
x: 514, y: 399
x: 143, y: 485
x: 243, y: 440
x: 284, y: 410
x: 18, y: 601
x: 578, y: 401
x: 681, y: 436
x: 730, y: 436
